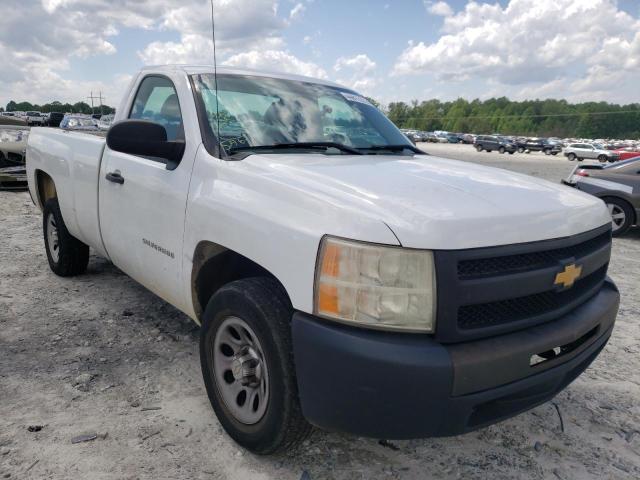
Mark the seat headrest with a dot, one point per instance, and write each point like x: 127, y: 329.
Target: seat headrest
x: 171, y: 107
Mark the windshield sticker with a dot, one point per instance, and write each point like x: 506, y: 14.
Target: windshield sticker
x: 355, y: 98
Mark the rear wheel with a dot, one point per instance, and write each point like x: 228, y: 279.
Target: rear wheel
x: 247, y: 364
x: 67, y: 255
x: 602, y: 158
x: 571, y: 157
x: 488, y: 151
x: 621, y: 215
x: 510, y: 152
x: 502, y: 150
x: 547, y: 151
x: 520, y: 149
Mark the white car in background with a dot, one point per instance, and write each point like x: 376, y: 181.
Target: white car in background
x: 35, y: 119
x: 105, y: 122
x: 586, y: 151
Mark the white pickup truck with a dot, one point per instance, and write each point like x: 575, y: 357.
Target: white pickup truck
x: 342, y: 278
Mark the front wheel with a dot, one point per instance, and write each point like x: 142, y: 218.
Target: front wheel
x: 502, y: 150
x: 547, y: 152
x: 247, y: 365
x: 621, y: 215
x: 571, y: 157
x: 67, y: 255
x: 520, y: 149
x: 602, y: 158
x: 479, y: 148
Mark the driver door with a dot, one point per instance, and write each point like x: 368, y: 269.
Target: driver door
x: 142, y: 203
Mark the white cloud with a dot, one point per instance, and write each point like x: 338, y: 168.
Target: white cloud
x: 439, y: 8
x: 275, y: 60
x: 297, y: 11
x: 362, y: 63
x: 40, y: 39
x: 359, y: 72
x: 582, y: 43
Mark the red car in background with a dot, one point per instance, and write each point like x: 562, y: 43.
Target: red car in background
x: 626, y: 153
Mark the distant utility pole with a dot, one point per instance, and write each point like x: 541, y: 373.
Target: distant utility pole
x: 100, y: 98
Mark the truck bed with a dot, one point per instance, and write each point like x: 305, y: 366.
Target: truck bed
x: 73, y: 160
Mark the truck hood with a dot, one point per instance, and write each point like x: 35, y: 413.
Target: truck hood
x: 437, y: 203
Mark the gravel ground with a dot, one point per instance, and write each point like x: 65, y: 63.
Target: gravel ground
x: 99, y: 355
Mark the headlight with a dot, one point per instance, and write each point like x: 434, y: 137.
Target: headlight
x: 375, y: 286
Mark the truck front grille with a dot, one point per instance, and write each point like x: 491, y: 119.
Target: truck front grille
x: 490, y: 291
x: 486, y: 267
x: 516, y: 309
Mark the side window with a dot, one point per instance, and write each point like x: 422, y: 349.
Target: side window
x: 157, y: 101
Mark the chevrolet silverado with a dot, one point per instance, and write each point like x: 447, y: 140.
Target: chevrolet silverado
x: 341, y: 277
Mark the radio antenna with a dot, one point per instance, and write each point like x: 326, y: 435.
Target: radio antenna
x: 215, y: 77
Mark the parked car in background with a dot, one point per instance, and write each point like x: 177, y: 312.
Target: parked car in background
x: 54, y: 119
x: 12, y: 120
x: 585, y: 151
x: 618, y: 185
x: 468, y: 138
x: 35, y: 119
x: 78, y: 122
x: 489, y: 143
x: 538, y: 145
x: 453, y: 138
x: 105, y: 122
x: 627, y: 153
x: 430, y: 137
x: 13, y: 143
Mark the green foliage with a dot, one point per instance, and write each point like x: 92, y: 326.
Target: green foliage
x: 55, y: 106
x: 543, y: 118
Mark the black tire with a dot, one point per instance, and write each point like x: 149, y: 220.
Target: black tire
x: 628, y: 212
x: 520, y: 149
x: 488, y: 151
x: 479, y: 148
x: 580, y: 159
x: 602, y: 158
x: 510, y: 152
x: 70, y: 257
x: 261, y: 303
x: 502, y: 150
x: 554, y: 153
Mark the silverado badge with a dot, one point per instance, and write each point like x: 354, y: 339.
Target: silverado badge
x: 568, y: 276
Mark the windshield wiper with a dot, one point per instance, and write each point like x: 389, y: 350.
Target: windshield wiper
x: 394, y: 148
x: 299, y: 145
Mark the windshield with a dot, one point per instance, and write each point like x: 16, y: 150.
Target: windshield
x: 261, y: 111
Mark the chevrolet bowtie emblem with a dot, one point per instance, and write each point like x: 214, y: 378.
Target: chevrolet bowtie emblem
x: 568, y: 276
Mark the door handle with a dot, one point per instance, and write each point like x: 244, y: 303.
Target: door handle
x: 115, y: 177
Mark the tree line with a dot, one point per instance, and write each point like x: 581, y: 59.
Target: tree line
x: 543, y: 118
x: 55, y: 106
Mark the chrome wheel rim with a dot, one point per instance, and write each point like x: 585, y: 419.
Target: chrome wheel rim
x: 52, y: 238
x: 618, y: 217
x: 240, y: 371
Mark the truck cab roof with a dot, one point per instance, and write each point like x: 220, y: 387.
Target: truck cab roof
x: 227, y: 70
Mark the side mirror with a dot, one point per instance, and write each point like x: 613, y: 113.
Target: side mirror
x: 145, y: 139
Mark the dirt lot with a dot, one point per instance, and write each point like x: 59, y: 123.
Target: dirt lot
x: 98, y: 354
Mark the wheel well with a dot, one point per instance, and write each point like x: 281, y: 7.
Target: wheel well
x: 46, y: 187
x: 214, y: 266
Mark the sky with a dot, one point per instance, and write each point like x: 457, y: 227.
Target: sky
x: 391, y: 50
